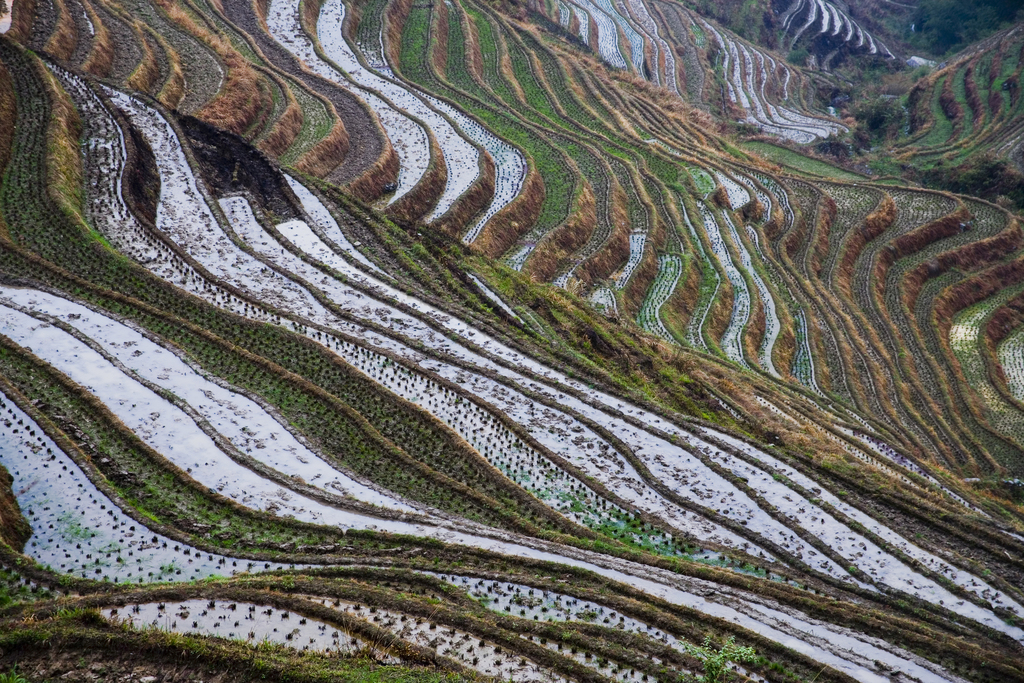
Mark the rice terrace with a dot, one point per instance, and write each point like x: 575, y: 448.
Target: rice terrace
x: 589, y: 341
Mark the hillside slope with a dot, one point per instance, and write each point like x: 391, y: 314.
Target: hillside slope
x: 490, y: 341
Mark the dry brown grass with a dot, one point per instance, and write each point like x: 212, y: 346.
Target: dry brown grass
x: 797, y: 236
x: 971, y: 257
x: 173, y: 89
x: 325, y: 156
x: 243, y: 98
x: 615, y: 250
x: 553, y: 250
x: 818, y: 250
x: 8, y: 112
x: 876, y: 223
x: 23, y: 16
x: 914, y: 241
x: 61, y: 43
x: 720, y: 311
x: 145, y: 75
x: 439, y: 38
x: 424, y: 195
x: 474, y: 58
x: 394, y: 23
x: 369, y: 186
x: 754, y: 331
x: 288, y: 126
x: 950, y: 107
x: 917, y: 105
x: 508, y: 225
x: 100, y: 59
x: 64, y: 162
x: 680, y: 306
x: 635, y: 291
x: 473, y: 201
x: 959, y: 297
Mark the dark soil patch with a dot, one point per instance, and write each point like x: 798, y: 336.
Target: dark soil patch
x: 230, y: 165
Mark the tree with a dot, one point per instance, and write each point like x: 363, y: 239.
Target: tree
x: 945, y: 25
x: 716, y: 662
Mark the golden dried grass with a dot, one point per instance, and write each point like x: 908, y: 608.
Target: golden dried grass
x: 514, y: 220
x: 62, y: 42
x: 565, y: 239
x: 100, y: 59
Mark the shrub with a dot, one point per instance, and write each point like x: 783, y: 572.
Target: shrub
x: 716, y: 662
x: 798, y: 57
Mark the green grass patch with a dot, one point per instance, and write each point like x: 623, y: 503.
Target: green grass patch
x: 798, y: 162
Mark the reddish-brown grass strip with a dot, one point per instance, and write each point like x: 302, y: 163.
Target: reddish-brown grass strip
x: 394, y: 23
x: 288, y: 126
x: 422, y: 197
x: 369, y: 185
x: 100, y: 59
x: 62, y: 42
x: 243, y: 99
x: 875, y: 224
x: 615, y: 250
x: 473, y: 201
x: 145, y: 75
x: 8, y: 112
x: 439, y: 39
x: 23, y: 16
x: 914, y: 241
x: 173, y: 89
x: 565, y: 239
x: 971, y: 257
x: 514, y: 220
x: 947, y: 101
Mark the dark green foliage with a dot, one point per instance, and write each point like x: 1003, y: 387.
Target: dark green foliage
x: 986, y: 176
x: 943, y: 26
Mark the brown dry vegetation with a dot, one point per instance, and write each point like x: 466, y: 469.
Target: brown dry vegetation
x: 947, y: 100
x: 974, y: 256
x: 565, y: 239
x: 100, y: 59
x: 394, y: 22
x: 14, y: 530
x: 424, y: 195
x: 145, y: 75
x: 635, y: 291
x: 243, y: 99
x: 981, y: 286
x: 23, y: 16
x: 827, y: 213
x: 173, y: 90
x: 473, y: 201
x: 370, y: 185
x: 615, y: 250
x: 64, y: 38
x: 508, y: 225
x: 679, y: 308
x: 756, y: 325
x: 64, y: 177
x: 8, y: 112
x: 325, y: 156
x: 439, y: 38
x: 720, y: 312
x: 914, y: 241
x: 288, y: 126
x: 876, y: 223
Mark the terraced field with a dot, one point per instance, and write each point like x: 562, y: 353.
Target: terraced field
x: 828, y: 28
x: 461, y: 340
x: 970, y: 111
